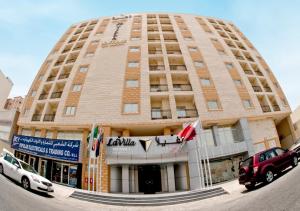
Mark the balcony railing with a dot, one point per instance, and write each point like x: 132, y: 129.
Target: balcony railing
x: 276, y: 107
x: 177, y: 67
x: 63, y: 76
x: 239, y: 57
x: 257, y: 88
x: 43, y: 96
x: 156, y: 67
x: 170, y: 40
x: 249, y: 72
x: 259, y: 73
x: 49, y: 117
x: 158, y: 88
x: 153, y: 40
x: 56, y: 95
x: 267, y: 89
x: 182, y: 87
x: 266, y: 108
x: 161, y: 114
x: 155, y: 52
x: 36, y: 117
x: 59, y: 63
x: 51, y: 78
x: 164, y: 30
x: 174, y: 52
x: 70, y: 61
x: 187, y: 113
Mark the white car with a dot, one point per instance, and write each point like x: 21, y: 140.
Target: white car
x: 23, y: 173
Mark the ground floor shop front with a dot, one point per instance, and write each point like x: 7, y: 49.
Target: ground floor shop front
x: 54, y: 170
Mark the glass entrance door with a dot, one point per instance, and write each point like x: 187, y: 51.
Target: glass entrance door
x: 43, y: 168
x: 32, y: 161
x: 65, y: 174
x: 56, y: 172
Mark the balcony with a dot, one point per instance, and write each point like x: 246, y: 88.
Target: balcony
x: 178, y: 67
x: 36, y: 117
x: 153, y: 40
x: 266, y: 108
x: 259, y: 73
x: 171, y: 40
x: 182, y: 87
x: 161, y: 114
x: 158, y: 88
x: 43, y: 96
x: 55, y: 95
x: 257, y: 88
x: 186, y: 113
x: 156, y: 67
x: 49, y: 117
x: 70, y: 61
x: 178, y: 52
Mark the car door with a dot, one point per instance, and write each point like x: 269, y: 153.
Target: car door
x: 272, y: 159
x: 284, y: 157
x: 16, y: 174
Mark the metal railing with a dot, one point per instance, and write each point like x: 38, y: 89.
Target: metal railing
x: 174, y: 52
x: 36, y: 117
x: 161, y: 114
x: 43, y: 96
x: 266, y: 108
x: 49, y: 117
x: 156, y: 67
x: 182, y: 87
x: 158, y: 87
x: 257, y: 88
x: 51, y: 78
x: 259, y: 73
x: 56, y: 95
x: 276, y: 107
x: 267, y: 89
x: 170, y: 40
x: 177, y: 67
x: 187, y: 113
x: 155, y: 52
x: 63, y: 76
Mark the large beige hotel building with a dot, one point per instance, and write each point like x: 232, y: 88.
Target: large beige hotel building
x: 141, y: 77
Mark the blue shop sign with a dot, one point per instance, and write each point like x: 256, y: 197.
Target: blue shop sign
x: 67, y: 150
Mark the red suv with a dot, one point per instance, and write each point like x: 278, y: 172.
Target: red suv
x: 262, y: 166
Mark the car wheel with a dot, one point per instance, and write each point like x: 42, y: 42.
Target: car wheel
x: 25, y: 183
x: 269, y: 176
x: 294, y: 161
x: 1, y: 169
x: 250, y: 187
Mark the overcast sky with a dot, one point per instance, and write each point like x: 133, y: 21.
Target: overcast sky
x: 29, y: 30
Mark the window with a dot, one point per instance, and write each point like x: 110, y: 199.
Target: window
x: 262, y: 157
x: 181, y: 112
x: 193, y: 49
x: 226, y: 135
x: 133, y: 64
x: 212, y: 104
x: 134, y: 49
x: 199, y: 64
x: 279, y: 151
x: 33, y: 93
x: 247, y: 103
x: 76, y: 88
x: 229, y: 66
x: 270, y: 154
x: 8, y: 158
x: 132, y: 83
x: 70, y: 110
x: 238, y: 83
x: 83, y: 69
x: 205, y: 82
x: 207, y: 136
x: 130, y: 108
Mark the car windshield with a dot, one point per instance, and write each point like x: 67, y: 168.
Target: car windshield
x: 247, y: 162
x: 27, y: 167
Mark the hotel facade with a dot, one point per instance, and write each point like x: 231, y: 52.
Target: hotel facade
x: 141, y: 77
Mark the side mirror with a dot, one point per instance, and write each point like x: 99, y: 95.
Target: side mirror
x: 286, y: 150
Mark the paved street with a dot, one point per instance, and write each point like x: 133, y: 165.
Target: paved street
x: 282, y: 194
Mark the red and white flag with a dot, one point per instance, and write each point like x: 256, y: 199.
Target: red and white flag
x: 189, y: 132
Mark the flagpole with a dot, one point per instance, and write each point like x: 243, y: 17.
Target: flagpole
x: 101, y: 165
x: 199, y: 160
x: 208, y: 165
x: 205, y: 165
x: 89, y: 165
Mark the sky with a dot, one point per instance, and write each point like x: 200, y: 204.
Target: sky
x: 30, y: 28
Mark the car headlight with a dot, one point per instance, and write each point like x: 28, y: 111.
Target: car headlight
x: 35, y: 178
